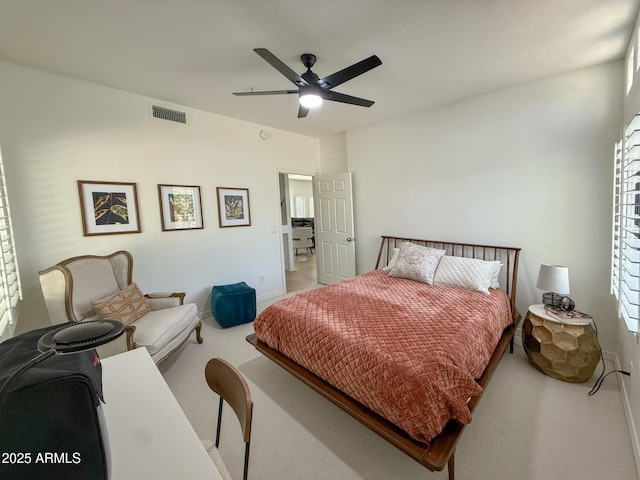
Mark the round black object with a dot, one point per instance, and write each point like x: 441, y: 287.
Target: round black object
x: 567, y: 304
x: 80, y: 336
x: 82, y: 333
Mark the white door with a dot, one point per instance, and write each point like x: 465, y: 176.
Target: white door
x: 335, y: 243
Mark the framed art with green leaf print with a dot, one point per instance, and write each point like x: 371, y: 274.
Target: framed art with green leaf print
x: 233, y: 207
x: 108, y: 208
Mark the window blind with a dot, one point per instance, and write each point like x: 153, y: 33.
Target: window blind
x: 625, y: 264
x: 10, y: 291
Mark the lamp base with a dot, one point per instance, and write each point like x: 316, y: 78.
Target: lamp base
x: 551, y: 298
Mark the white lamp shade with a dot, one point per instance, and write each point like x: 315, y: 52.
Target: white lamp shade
x: 310, y: 100
x: 553, y: 278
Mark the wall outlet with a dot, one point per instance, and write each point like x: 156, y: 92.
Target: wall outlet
x: 261, y: 278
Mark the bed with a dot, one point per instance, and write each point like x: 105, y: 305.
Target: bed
x: 406, y: 353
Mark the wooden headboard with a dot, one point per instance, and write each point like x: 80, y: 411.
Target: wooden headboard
x: 507, y: 255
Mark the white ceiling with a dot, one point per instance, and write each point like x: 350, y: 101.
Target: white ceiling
x: 197, y: 52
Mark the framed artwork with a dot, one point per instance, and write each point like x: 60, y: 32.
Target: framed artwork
x: 108, y: 208
x: 180, y: 207
x: 233, y: 207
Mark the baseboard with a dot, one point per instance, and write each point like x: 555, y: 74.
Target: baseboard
x: 631, y: 424
x: 270, y: 296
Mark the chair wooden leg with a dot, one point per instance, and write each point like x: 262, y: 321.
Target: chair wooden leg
x: 198, y: 335
x: 219, y: 423
x: 246, y: 461
x: 450, y: 467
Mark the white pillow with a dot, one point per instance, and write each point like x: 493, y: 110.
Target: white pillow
x: 471, y: 273
x: 392, y: 262
x: 495, y: 280
x: 416, y: 262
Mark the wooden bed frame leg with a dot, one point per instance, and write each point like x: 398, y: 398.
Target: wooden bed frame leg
x: 450, y: 466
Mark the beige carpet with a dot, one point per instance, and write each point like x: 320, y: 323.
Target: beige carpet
x: 527, y: 425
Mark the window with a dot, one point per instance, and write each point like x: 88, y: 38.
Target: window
x: 625, y: 258
x: 10, y: 291
x: 299, y: 206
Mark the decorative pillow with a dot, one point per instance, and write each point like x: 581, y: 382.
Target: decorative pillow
x: 126, y: 306
x: 416, y: 262
x: 392, y: 262
x: 471, y: 273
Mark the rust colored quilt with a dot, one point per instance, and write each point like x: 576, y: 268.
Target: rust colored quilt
x: 409, y: 351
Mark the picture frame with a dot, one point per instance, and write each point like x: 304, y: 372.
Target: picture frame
x: 233, y: 207
x: 180, y: 207
x: 108, y: 208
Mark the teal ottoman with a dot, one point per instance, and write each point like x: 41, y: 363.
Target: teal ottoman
x: 233, y: 304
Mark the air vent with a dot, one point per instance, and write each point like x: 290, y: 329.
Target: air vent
x: 165, y: 113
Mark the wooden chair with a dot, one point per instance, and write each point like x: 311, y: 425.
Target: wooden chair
x: 225, y: 380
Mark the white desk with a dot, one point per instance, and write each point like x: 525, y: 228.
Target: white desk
x: 149, y: 434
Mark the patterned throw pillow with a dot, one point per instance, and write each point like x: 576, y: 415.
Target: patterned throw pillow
x: 126, y: 306
x: 416, y: 262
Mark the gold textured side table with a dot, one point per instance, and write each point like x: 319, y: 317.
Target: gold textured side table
x: 566, y: 351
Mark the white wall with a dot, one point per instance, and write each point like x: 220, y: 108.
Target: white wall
x: 333, y: 153
x: 55, y: 131
x: 528, y: 167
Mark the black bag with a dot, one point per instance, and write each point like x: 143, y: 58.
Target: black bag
x: 51, y: 424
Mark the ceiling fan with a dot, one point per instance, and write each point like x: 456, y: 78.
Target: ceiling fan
x: 312, y: 89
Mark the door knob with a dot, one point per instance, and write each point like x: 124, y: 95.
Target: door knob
x: 349, y: 239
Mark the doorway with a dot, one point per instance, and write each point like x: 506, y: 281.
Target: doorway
x: 298, y: 226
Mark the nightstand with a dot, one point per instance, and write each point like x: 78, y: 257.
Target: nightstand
x: 568, y: 351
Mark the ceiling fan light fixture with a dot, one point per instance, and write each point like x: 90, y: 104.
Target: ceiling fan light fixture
x: 311, y: 89
x: 310, y: 100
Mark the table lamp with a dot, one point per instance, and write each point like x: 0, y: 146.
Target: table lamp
x: 554, y: 280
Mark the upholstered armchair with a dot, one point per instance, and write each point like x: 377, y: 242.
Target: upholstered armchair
x: 302, y: 238
x: 90, y: 287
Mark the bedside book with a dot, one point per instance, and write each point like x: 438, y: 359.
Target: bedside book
x: 565, y: 316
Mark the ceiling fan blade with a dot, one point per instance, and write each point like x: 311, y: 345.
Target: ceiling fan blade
x: 279, y: 65
x: 343, y: 98
x: 265, y: 92
x: 302, y: 111
x: 348, y: 73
